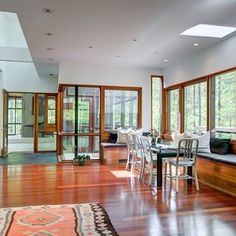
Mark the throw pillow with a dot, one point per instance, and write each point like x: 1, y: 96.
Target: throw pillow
x: 178, y: 136
x: 113, y: 137
x: 204, y: 142
x: 219, y: 146
x: 122, y: 135
x: 138, y: 132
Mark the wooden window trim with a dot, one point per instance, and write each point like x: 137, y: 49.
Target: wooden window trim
x: 181, y: 86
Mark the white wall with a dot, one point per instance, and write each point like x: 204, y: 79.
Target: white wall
x: 216, y: 58
x: 75, y: 73
x: 22, y: 77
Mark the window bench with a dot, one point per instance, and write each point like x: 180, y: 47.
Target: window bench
x: 114, y: 153
x: 218, y: 171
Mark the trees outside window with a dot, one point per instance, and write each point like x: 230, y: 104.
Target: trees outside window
x: 223, y: 102
x: 173, y: 110
x: 156, y: 102
x: 195, y: 107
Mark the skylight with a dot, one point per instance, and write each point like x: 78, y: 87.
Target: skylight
x: 213, y: 31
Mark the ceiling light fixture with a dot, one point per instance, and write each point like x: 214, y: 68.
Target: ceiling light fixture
x: 213, y: 31
x: 156, y: 52
x: 48, y: 34
x: 90, y: 47
x: 51, y: 74
x: 135, y: 40
x: 47, y: 10
x: 118, y: 56
x: 165, y: 60
x: 49, y: 49
x: 50, y: 59
x: 196, y: 44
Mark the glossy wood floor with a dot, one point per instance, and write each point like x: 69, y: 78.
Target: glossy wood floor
x: 133, y: 207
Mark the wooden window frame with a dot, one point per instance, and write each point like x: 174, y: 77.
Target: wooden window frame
x: 181, y: 86
x: 51, y: 125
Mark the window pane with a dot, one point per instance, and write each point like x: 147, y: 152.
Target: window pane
x: 121, y: 109
x: 18, y: 129
x: 195, y: 118
x: 18, y: 116
x: 173, y: 99
x: 11, y: 116
x: 11, y: 129
x: 156, y: 102
x: 69, y: 109
x: 51, y: 116
x: 52, y: 103
x: 18, y: 102
x: 223, y: 98
x: 88, y: 110
x: 11, y: 102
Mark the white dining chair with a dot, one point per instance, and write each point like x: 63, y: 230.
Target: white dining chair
x: 148, y: 159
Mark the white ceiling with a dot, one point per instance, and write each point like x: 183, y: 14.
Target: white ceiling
x: 110, y: 26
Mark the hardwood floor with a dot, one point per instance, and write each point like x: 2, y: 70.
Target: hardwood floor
x: 133, y: 207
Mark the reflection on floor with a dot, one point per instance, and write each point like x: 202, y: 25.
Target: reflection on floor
x: 20, y: 158
x: 70, y: 156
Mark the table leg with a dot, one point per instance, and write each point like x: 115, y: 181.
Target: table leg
x: 159, y: 171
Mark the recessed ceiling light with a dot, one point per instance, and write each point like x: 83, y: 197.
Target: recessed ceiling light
x: 90, y: 46
x: 50, y: 59
x: 47, y: 10
x: 165, y: 60
x: 48, y: 34
x: 135, y: 40
x: 51, y: 74
x: 118, y: 56
x: 49, y: 49
x: 213, y: 31
x: 156, y: 52
x: 196, y: 44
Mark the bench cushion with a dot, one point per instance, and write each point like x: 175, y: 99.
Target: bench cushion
x: 228, y: 159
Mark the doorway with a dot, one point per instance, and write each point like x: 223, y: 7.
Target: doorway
x: 29, y: 122
x: 81, y: 122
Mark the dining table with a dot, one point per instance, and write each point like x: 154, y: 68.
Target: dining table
x: 164, y: 151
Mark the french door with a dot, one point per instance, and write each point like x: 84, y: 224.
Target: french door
x: 80, y: 122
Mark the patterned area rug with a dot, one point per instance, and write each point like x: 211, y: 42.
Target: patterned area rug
x: 88, y: 219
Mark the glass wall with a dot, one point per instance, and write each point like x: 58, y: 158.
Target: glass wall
x: 173, y: 110
x: 156, y: 103
x: 121, y: 109
x: 195, y: 107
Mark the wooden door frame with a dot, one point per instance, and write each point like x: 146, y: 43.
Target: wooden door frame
x: 4, y: 150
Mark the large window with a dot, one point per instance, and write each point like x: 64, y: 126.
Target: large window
x: 14, y: 115
x: 195, y: 107
x: 173, y: 110
x: 223, y: 102
x: 121, y: 109
x: 156, y: 102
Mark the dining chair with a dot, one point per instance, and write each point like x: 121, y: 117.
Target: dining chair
x: 148, y: 159
x: 130, y: 151
x: 137, y: 155
x: 185, y: 158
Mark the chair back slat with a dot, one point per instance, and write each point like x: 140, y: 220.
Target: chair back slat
x: 187, y: 149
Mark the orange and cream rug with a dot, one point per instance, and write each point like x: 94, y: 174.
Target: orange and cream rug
x: 88, y: 219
